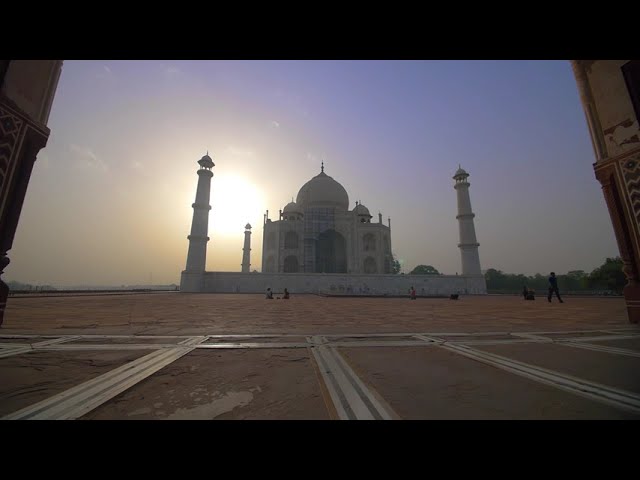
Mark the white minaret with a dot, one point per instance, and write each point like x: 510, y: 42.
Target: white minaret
x: 468, y: 242
x: 246, y: 250
x: 197, y: 256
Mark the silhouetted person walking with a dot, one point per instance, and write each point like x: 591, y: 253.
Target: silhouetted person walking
x: 553, y: 287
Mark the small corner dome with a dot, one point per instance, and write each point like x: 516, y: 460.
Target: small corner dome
x: 291, y: 207
x: 247, y: 226
x: 360, y: 209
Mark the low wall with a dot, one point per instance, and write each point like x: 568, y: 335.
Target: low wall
x: 332, y: 283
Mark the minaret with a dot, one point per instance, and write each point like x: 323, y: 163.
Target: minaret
x: 246, y: 251
x: 468, y: 243
x: 197, y: 256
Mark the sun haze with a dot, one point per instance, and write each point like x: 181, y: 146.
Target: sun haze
x: 109, y: 201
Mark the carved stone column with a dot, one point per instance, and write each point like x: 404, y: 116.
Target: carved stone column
x: 20, y: 141
x: 27, y: 89
x: 620, y: 180
x: 607, y: 93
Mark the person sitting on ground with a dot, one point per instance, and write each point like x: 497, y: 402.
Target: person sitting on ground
x: 269, y: 294
x: 286, y: 294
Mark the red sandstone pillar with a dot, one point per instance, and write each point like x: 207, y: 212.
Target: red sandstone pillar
x: 607, y: 96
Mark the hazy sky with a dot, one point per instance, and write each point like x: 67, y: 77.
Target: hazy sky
x: 110, y: 197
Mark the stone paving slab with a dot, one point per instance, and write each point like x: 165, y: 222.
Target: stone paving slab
x: 34, y: 376
x: 332, y: 338
x: 563, y: 335
x: 30, y: 340
x: 274, y: 339
x: 417, y: 381
x: 239, y: 384
x: 124, y: 341
x: 440, y: 385
x: 628, y: 343
x: 605, y: 368
x: 187, y: 314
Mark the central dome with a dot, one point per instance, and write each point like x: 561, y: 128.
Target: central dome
x: 323, y: 191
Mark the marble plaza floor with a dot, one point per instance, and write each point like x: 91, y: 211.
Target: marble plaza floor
x: 217, y: 356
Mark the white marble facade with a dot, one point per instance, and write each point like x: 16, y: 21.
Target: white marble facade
x: 320, y: 246
x: 318, y: 233
x: 333, y: 283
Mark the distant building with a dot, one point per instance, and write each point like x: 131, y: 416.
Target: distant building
x: 319, y: 234
x: 318, y: 245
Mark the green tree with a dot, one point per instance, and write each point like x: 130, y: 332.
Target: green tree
x: 608, y: 276
x: 574, y: 280
x: 496, y: 280
x: 576, y: 273
x: 424, y: 270
x: 396, y: 267
x: 13, y: 285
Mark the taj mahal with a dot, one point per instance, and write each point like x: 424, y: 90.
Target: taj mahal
x: 319, y: 234
x: 317, y: 244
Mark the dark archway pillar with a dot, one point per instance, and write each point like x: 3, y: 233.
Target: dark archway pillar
x: 27, y: 89
x: 20, y: 141
x: 610, y: 95
x: 620, y: 180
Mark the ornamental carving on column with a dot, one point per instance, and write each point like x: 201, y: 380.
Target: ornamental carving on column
x: 10, y: 126
x: 631, y: 174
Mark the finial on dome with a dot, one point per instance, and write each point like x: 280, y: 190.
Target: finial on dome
x: 322, y: 167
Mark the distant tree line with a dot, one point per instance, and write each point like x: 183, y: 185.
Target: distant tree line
x: 424, y: 270
x: 396, y: 267
x: 13, y: 285
x: 607, y: 278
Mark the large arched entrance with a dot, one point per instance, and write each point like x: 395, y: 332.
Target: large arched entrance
x: 331, y: 253
x: 370, y: 265
x: 291, y: 264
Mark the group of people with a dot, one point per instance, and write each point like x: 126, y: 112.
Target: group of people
x: 269, y: 296
x: 526, y: 292
x: 553, y: 288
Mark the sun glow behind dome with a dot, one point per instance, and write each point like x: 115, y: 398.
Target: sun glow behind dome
x: 234, y: 202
